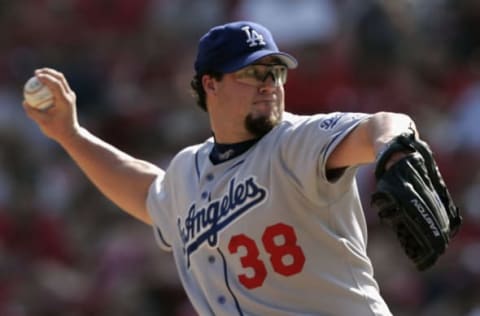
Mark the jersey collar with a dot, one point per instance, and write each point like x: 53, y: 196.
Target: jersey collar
x: 223, y: 152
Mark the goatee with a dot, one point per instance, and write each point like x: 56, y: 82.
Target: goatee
x: 261, y: 125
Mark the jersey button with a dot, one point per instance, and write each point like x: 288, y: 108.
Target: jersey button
x: 210, y: 177
x: 204, y: 195
x: 221, y: 299
x: 211, y: 259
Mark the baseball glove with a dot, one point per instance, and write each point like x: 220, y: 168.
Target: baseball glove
x: 412, y: 198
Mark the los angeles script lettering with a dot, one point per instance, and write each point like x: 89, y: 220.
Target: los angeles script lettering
x: 203, y: 224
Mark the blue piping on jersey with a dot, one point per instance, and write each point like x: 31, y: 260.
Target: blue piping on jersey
x: 235, y: 165
x: 197, y: 167
x: 225, y: 275
x: 160, y: 235
x: 331, y: 143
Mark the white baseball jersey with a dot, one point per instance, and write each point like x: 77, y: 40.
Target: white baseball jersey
x: 265, y: 232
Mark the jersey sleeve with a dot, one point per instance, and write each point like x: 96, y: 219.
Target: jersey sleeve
x: 335, y: 127
x: 312, y: 139
x: 158, y: 202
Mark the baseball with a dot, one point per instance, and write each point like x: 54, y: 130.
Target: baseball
x: 37, y: 94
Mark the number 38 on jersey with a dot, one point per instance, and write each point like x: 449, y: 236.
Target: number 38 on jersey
x: 279, y: 241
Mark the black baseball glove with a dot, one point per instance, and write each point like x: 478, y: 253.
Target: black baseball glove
x: 412, y: 198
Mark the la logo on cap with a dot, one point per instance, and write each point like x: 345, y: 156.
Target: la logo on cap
x: 229, y: 47
x: 253, y: 38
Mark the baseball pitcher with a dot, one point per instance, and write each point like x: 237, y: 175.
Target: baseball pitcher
x: 264, y: 217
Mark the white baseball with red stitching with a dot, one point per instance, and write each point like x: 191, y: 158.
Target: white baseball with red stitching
x: 37, y: 94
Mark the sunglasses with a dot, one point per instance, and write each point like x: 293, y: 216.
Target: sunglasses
x: 256, y: 74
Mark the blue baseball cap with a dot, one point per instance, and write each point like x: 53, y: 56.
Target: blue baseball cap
x: 232, y: 46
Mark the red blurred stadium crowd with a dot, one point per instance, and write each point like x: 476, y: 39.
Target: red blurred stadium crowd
x: 66, y: 250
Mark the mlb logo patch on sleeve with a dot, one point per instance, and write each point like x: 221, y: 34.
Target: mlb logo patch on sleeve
x: 330, y: 121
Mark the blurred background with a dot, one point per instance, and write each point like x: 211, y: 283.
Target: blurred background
x: 66, y: 250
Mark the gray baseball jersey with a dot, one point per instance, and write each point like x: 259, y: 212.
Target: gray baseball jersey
x: 266, y: 233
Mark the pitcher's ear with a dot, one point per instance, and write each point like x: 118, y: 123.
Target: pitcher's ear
x: 209, y: 84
